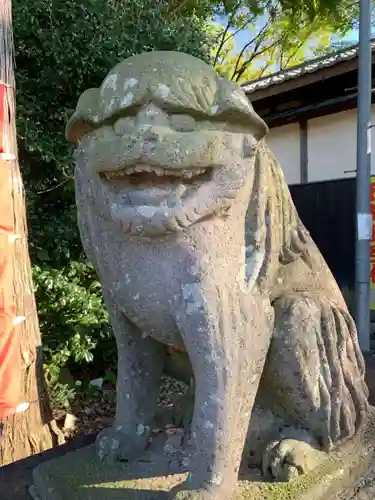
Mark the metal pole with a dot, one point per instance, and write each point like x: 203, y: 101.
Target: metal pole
x: 364, y: 221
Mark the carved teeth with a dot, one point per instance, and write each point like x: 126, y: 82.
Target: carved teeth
x: 159, y: 171
x: 174, y: 173
x: 187, y: 173
x: 112, y: 175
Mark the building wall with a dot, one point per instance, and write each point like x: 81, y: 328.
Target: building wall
x: 331, y: 146
x: 284, y: 142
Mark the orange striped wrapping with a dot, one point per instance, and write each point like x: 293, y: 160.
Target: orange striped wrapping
x: 10, y: 348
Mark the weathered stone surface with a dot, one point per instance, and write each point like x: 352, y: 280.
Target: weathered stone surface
x: 186, y: 215
x: 345, y: 475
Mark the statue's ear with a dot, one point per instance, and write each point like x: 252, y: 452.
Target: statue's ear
x: 231, y: 103
x: 85, y: 117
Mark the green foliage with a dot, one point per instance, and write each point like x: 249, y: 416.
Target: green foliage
x: 71, y: 315
x: 260, y: 37
x: 61, y: 395
x: 338, y: 13
x: 63, y: 48
x: 256, y: 37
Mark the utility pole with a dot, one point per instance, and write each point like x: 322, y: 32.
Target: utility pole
x: 364, y: 220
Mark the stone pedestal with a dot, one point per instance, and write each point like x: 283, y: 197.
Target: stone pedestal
x: 347, y: 474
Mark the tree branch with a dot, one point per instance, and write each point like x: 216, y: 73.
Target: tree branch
x: 300, y: 44
x: 248, y: 44
x: 264, y: 69
x: 224, y: 34
x: 290, y: 57
x: 244, y: 66
x: 221, y: 44
x: 242, y: 27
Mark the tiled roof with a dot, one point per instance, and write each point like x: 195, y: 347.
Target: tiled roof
x: 302, y: 69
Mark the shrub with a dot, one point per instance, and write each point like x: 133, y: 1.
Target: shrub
x: 63, y: 48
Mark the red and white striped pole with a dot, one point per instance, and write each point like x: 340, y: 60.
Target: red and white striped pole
x: 11, y: 372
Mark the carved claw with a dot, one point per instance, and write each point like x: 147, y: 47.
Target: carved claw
x: 287, y: 459
x: 113, y: 445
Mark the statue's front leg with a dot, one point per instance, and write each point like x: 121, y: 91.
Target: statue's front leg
x: 227, y: 338
x: 140, y: 363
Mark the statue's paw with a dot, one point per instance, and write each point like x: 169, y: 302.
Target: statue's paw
x: 287, y: 459
x: 208, y: 493
x: 113, y: 445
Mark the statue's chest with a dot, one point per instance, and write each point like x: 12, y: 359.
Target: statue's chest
x: 145, y: 286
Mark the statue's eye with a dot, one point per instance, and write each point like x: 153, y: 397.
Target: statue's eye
x: 182, y: 123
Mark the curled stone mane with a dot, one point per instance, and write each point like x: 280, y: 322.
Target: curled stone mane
x: 287, y: 233
x: 276, y: 230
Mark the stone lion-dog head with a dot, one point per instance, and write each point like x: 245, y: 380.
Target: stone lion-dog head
x: 171, y: 142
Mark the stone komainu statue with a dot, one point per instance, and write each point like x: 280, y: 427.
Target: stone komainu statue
x: 186, y: 216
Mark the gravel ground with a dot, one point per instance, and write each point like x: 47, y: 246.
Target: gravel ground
x: 90, y: 415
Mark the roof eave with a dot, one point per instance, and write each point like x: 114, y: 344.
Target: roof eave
x: 304, y: 74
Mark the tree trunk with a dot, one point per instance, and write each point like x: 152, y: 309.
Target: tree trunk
x: 33, y: 430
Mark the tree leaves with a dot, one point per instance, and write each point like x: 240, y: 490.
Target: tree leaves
x: 254, y: 40
x: 338, y: 13
x: 63, y: 48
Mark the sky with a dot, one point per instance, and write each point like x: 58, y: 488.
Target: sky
x: 353, y: 35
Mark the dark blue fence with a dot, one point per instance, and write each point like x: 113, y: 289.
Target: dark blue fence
x: 328, y: 211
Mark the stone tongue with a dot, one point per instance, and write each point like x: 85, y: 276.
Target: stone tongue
x: 149, y: 195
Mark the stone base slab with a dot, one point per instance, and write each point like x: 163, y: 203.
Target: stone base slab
x: 346, y: 475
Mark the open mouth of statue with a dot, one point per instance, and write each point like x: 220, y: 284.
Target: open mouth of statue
x: 141, y: 176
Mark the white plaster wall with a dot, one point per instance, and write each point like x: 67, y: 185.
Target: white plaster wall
x: 285, y: 143
x: 332, y: 143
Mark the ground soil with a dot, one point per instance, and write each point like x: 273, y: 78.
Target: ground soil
x: 94, y: 412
